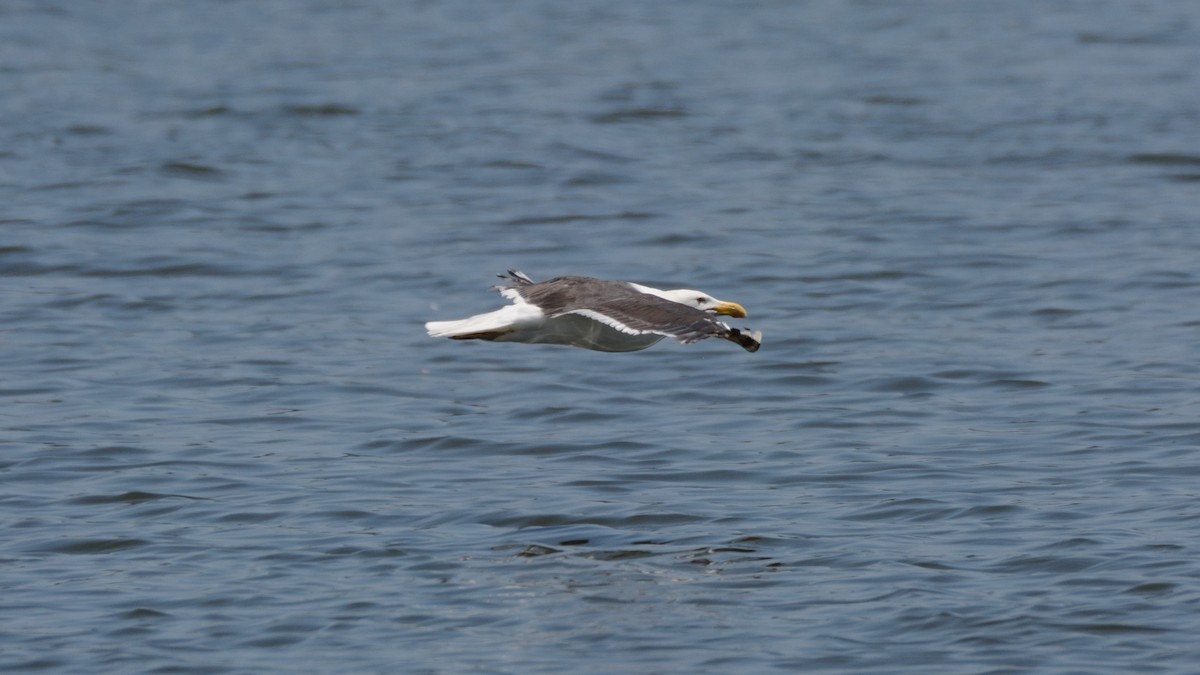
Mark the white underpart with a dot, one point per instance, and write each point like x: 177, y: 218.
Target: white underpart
x: 523, y: 322
x: 609, y: 321
x: 590, y: 330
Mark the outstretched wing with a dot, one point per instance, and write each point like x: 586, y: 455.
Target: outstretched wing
x: 621, y: 306
x: 640, y: 313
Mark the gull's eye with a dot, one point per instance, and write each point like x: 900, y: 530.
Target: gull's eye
x: 700, y: 300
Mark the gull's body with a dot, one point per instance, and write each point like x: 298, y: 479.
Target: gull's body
x: 610, y: 316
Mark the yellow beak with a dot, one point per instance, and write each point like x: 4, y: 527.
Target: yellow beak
x: 730, y: 309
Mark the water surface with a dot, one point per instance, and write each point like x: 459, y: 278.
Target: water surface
x: 968, y: 233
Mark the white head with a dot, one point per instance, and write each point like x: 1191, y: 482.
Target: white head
x: 701, y: 300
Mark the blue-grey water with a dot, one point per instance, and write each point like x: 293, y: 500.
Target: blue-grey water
x: 970, y: 233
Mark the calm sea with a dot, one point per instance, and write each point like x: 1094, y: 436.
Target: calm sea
x: 970, y: 233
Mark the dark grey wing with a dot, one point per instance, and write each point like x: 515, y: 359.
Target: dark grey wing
x: 619, y: 305
x: 640, y: 313
x: 563, y: 294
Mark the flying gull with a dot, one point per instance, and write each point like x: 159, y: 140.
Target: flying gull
x: 607, y: 316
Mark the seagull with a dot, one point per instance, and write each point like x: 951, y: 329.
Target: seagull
x: 606, y: 316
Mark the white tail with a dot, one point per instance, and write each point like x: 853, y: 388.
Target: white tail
x: 505, y: 319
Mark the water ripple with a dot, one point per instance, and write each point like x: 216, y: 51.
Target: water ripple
x: 967, y: 443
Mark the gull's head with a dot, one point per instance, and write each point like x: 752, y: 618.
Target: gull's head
x: 706, y: 302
